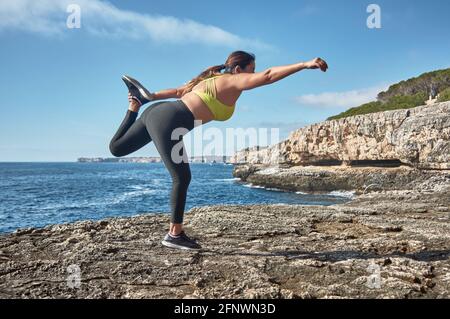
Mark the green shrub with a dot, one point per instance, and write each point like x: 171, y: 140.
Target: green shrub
x: 371, y: 107
x: 440, y: 79
x: 444, y: 96
x: 405, y: 94
x: 405, y: 101
x: 395, y: 103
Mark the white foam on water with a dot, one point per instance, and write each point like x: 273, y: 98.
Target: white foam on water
x: 346, y: 194
x: 136, y: 187
x: 266, y: 188
x: 227, y: 179
x: 137, y: 193
x: 275, y: 189
x: 158, y: 181
x: 253, y: 186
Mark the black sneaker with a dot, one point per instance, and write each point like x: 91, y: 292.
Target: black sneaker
x: 137, y: 90
x: 182, y: 241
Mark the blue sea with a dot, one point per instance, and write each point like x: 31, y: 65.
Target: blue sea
x: 39, y: 194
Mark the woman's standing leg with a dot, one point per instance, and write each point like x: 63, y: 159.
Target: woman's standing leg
x: 167, y: 124
x: 161, y: 122
x: 181, y: 178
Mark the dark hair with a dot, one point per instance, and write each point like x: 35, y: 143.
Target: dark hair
x: 237, y: 58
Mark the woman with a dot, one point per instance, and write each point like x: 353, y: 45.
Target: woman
x: 210, y: 96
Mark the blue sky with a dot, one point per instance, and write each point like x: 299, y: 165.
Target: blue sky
x: 61, y: 96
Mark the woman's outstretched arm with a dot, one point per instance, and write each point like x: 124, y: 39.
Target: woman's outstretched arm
x: 168, y: 93
x: 277, y: 73
x: 248, y: 81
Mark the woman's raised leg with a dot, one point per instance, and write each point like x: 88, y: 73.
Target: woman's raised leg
x: 131, y: 135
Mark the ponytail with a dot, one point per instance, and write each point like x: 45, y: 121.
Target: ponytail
x: 209, y: 72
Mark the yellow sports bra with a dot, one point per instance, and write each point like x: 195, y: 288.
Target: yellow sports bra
x: 221, y: 111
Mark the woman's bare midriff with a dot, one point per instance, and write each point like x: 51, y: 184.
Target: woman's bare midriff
x: 200, y: 110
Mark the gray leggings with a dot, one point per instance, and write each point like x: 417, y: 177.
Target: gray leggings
x: 156, y: 124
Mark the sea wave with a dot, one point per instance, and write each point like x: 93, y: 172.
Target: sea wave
x: 84, y: 204
x: 137, y: 193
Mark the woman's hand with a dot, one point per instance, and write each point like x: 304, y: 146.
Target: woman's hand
x: 131, y: 100
x: 152, y: 95
x: 133, y: 104
x: 317, y: 63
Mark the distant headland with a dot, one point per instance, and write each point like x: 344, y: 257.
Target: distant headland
x: 196, y: 159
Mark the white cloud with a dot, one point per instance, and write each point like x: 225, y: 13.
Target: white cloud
x: 341, y: 99
x: 100, y: 18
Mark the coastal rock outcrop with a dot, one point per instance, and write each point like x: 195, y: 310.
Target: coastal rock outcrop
x: 417, y: 137
x: 333, y: 178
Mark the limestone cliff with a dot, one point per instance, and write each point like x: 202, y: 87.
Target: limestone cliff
x: 418, y: 137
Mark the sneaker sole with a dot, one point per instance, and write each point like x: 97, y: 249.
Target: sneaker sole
x: 144, y: 92
x: 170, y: 245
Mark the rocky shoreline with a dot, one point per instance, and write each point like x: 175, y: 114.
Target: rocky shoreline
x: 383, y: 244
